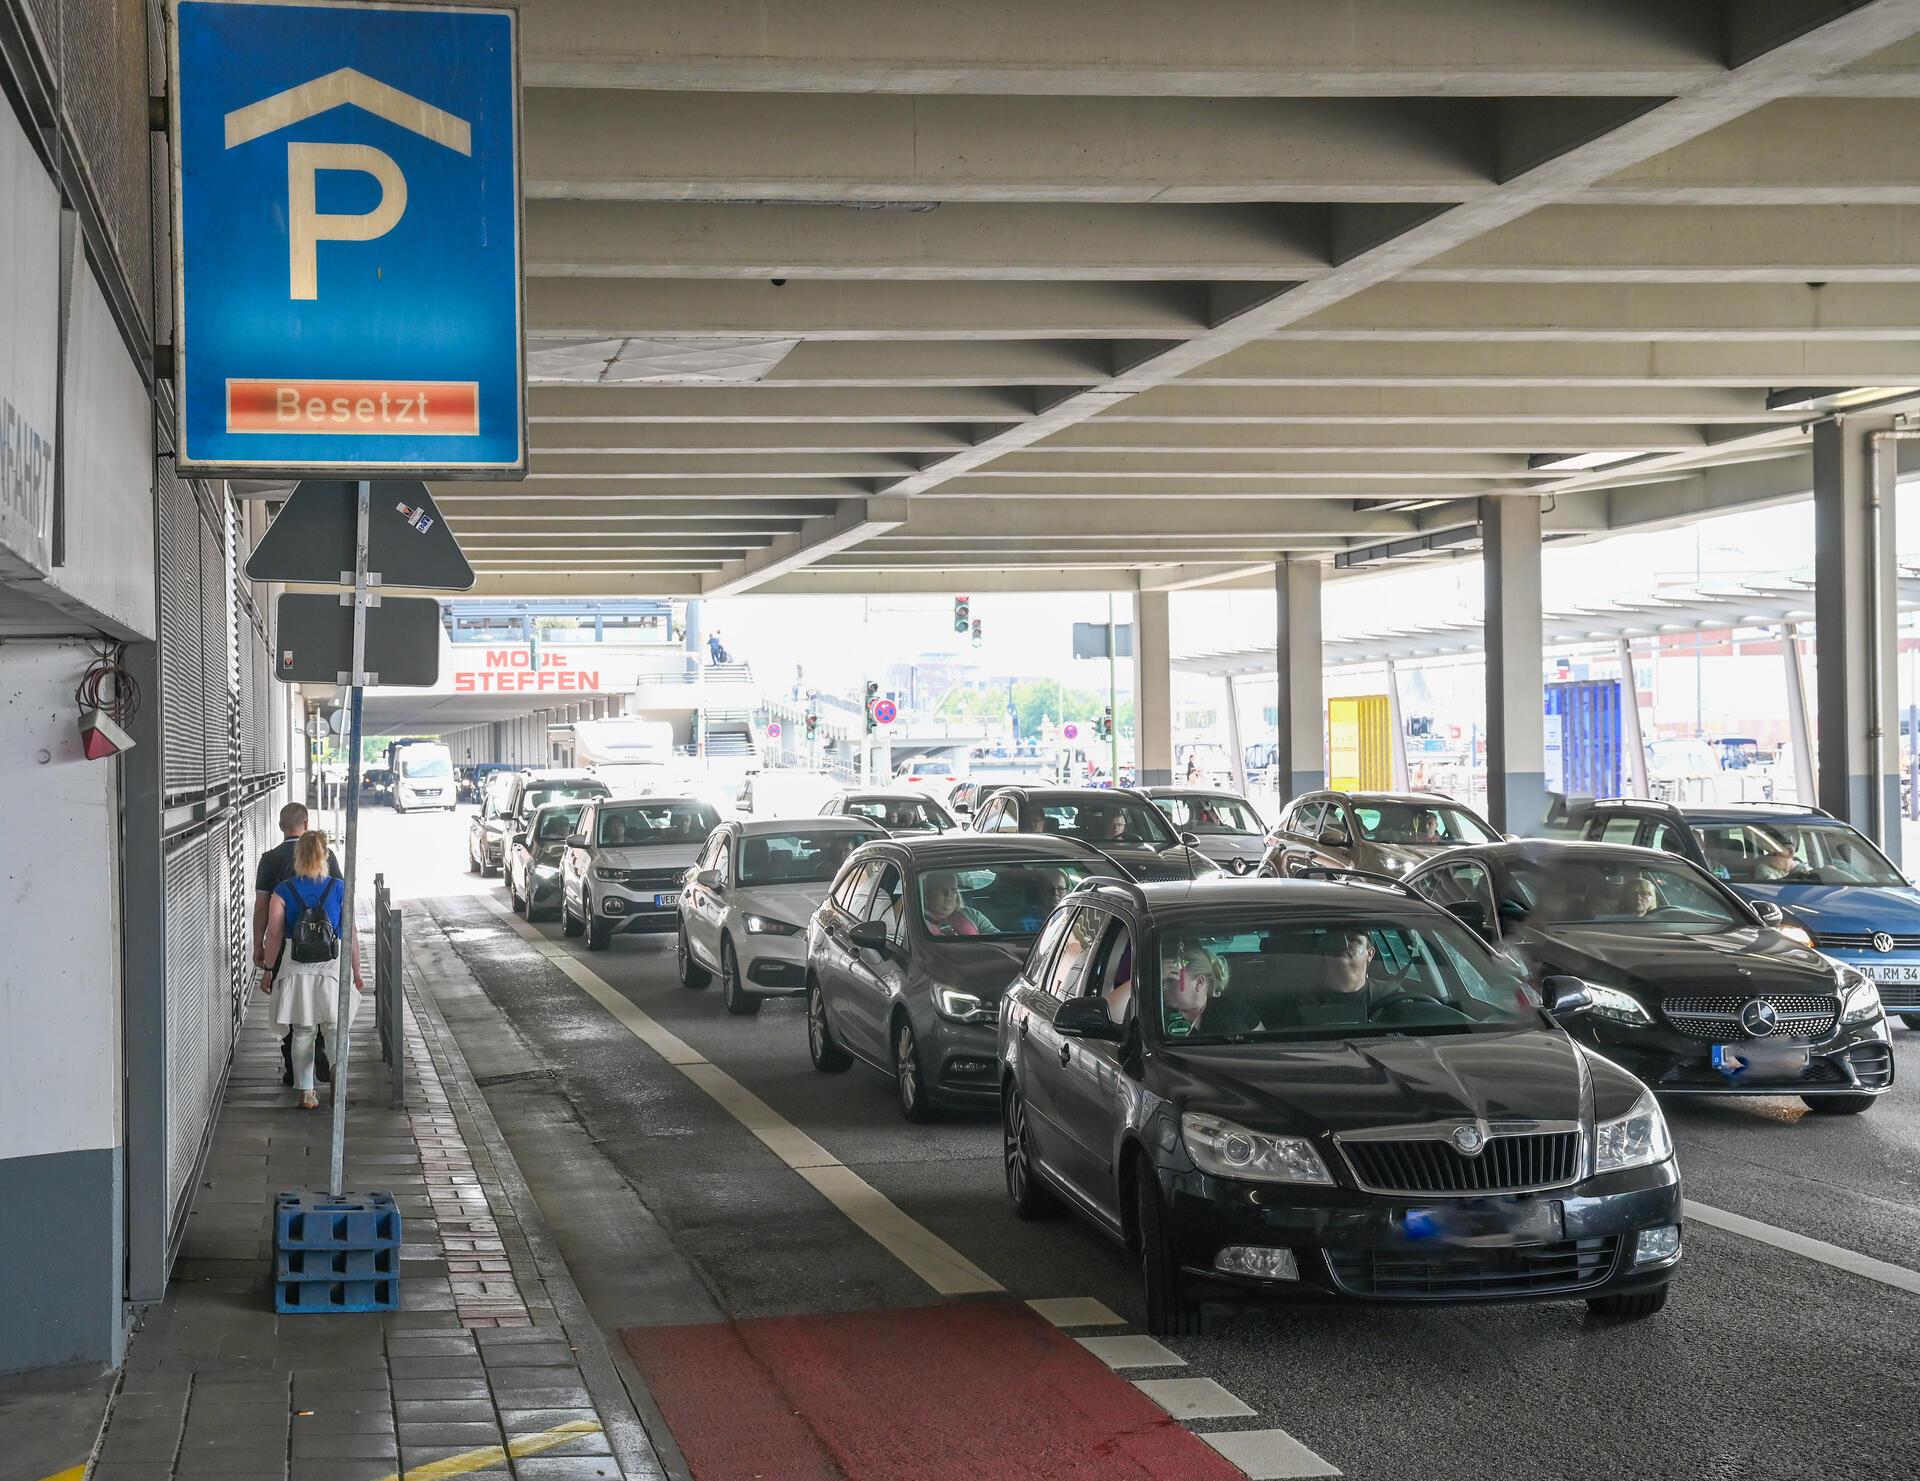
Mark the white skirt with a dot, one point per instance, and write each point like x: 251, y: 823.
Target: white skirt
x: 304, y: 993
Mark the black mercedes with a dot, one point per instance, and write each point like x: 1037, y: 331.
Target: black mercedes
x: 1692, y: 987
x: 1325, y: 1087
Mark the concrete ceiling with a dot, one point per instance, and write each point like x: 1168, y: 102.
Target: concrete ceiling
x: 885, y: 296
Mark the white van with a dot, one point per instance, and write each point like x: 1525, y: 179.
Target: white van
x: 423, y: 777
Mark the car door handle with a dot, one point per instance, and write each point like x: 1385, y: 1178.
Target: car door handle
x: 1066, y: 1054
x: 1021, y: 1026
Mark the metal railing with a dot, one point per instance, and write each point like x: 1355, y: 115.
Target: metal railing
x: 389, y: 992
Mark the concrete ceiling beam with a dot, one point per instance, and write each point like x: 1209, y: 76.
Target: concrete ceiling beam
x: 828, y: 438
x: 1039, y: 518
x: 726, y: 465
x: 571, y: 493
x: 818, y: 539
x: 638, y: 505
x: 761, y: 403
x: 1174, y: 438
x: 1194, y: 466
x: 1414, y: 404
x: 582, y: 585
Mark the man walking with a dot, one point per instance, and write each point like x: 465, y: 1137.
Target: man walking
x: 276, y: 868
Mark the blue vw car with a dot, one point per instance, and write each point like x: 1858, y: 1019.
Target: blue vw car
x: 1830, y: 883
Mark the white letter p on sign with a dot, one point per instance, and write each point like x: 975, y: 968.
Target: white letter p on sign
x: 308, y: 227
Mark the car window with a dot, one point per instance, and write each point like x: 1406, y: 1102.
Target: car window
x: 1005, y: 818
x: 884, y: 904
x: 1110, y: 964
x: 646, y: 824
x: 722, y: 865
x: 1455, y: 884
x: 1082, y: 931
x: 1649, y: 898
x: 1667, y: 837
x: 546, y: 792
x: 903, y: 814
x: 1097, y: 819
x: 1305, y: 821
x: 1790, y: 852
x: 1622, y: 829
x: 800, y: 855
x: 556, y: 823
x: 1208, y: 816
x: 851, y: 892
x: 1008, y: 897
x: 1040, y: 958
x: 585, y: 824
x: 1418, y: 823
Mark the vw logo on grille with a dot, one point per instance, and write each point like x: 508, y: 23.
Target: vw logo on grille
x: 1468, y: 1139
x: 1759, y: 1018
x: 1882, y: 941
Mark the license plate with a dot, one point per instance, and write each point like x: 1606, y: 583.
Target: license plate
x: 665, y: 900
x: 1758, y: 1061
x: 1486, y: 1222
x: 1890, y: 971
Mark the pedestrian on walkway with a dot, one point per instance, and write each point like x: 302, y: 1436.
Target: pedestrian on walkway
x: 299, y: 975
x: 276, y: 868
x: 717, y: 650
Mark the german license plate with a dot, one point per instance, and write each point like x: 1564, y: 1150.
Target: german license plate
x: 1486, y: 1222
x: 665, y: 900
x: 1890, y: 971
x: 1759, y: 1061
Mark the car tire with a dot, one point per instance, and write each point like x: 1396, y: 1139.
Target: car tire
x: 1170, y: 1311
x: 1031, y: 1198
x: 828, y: 1057
x: 1838, y: 1105
x: 473, y: 864
x: 909, y: 1075
x: 599, y: 933
x: 1628, y: 1308
x: 733, y: 993
x: 517, y: 900
x: 692, y: 974
x: 570, y: 924
x: 1911, y: 1020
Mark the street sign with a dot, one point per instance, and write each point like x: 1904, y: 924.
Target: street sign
x: 1070, y: 731
x: 347, y: 219
x: 311, y: 540
x: 1090, y: 640
x: 313, y: 640
x: 773, y: 730
x: 885, y: 712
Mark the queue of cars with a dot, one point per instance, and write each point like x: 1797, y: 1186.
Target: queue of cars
x: 1375, y: 1052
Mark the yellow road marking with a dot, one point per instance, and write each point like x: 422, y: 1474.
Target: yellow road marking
x: 72, y: 1473
x: 490, y: 1456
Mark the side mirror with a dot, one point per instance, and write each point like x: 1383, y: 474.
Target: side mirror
x: 708, y: 878
x: 1770, y: 914
x: 1334, y: 836
x: 870, y: 935
x: 1191, y: 840
x: 1566, y: 995
x: 1473, y: 915
x: 577, y: 840
x: 1087, y: 1018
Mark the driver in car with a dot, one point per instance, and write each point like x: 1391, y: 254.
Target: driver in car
x: 613, y: 832
x: 1778, y: 861
x: 1643, y: 897
x: 1426, y: 827
x: 947, y: 914
x: 1193, y: 987
x: 1109, y: 825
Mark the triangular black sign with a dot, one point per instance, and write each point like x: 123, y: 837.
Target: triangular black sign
x: 408, y: 544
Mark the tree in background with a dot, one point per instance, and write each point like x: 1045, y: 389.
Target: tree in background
x: 1034, y: 701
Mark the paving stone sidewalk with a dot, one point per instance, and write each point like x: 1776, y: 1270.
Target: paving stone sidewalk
x: 475, y: 1376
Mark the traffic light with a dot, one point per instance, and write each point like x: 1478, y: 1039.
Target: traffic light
x: 961, y: 613
x: 1103, y: 727
x: 977, y: 639
x: 813, y: 724
x: 873, y: 693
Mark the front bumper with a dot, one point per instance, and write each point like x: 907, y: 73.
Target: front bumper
x: 962, y: 1062
x: 773, y: 965
x: 1895, y: 997
x: 1854, y: 1060
x: 634, y: 911
x: 1357, y: 1246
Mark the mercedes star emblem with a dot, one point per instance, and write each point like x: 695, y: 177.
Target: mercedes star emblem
x: 1759, y: 1018
x: 1882, y: 941
x: 1468, y: 1139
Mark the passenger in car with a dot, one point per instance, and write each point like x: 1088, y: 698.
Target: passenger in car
x: 947, y: 914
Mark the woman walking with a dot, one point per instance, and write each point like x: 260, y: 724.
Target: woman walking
x: 302, y: 952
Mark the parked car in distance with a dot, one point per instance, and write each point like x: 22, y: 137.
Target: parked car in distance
x: 1840, y: 894
x: 623, y: 866
x: 533, y: 789
x: 1123, y: 825
x: 745, y: 904
x: 907, y: 957
x: 897, y: 812
x: 534, y: 856
x: 1223, y: 825
x: 1375, y: 832
x: 378, y: 781
x: 487, y: 829
x: 1290, y: 1087
x: 1691, y: 987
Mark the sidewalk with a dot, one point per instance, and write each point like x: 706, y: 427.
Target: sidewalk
x: 489, y: 1370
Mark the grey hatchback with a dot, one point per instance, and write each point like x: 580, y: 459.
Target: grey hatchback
x: 907, y: 958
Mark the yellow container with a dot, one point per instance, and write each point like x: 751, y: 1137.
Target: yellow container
x: 1360, y: 743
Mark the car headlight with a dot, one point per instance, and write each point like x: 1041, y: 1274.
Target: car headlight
x: 962, y: 1007
x: 1795, y: 932
x: 1393, y: 866
x: 1859, y: 998
x: 765, y: 925
x: 1619, y: 1007
x: 1225, y: 1150
x: 612, y: 876
x: 1634, y: 1140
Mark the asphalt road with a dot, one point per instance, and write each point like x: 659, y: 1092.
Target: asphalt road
x: 1767, y: 1362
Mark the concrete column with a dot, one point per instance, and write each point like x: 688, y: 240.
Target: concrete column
x: 1236, y: 750
x: 1856, y: 614
x: 1397, y: 723
x: 1633, y: 739
x: 1806, y: 785
x: 1516, y: 692
x: 1152, y: 690
x: 1300, y: 761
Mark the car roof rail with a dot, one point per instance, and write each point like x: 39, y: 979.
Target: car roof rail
x: 1362, y: 876
x: 1128, y: 887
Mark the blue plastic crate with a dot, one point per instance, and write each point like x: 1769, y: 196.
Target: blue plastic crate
x: 312, y: 1221
x: 296, y: 1296
x: 375, y: 1264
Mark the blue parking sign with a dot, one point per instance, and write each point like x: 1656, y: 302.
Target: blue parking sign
x: 347, y: 229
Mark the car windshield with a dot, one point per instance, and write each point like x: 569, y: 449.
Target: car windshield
x: 556, y: 823
x: 1616, y: 894
x: 1418, y: 824
x: 902, y: 814
x: 801, y: 856
x: 537, y: 797
x: 428, y: 765
x: 651, y: 824
x: 1793, y: 853
x: 1234, y: 981
x: 1209, y: 816
x: 1097, y: 820
x: 1001, y: 899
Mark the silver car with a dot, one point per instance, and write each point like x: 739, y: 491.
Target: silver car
x: 621, y: 872
x: 746, y: 902
x: 897, y: 812
x: 1222, y: 825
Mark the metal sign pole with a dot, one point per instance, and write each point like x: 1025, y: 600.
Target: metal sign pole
x: 343, y: 997
x: 1113, y: 696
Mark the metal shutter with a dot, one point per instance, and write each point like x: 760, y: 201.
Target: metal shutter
x: 181, y: 701
x: 191, y: 1074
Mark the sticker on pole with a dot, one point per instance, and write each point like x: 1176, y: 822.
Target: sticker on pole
x: 347, y: 209
x: 885, y: 712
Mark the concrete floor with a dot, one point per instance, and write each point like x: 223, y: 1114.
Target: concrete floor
x: 1768, y: 1362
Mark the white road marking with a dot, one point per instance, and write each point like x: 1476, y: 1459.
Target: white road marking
x: 1076, y: 1311
x: 1851, y: 1261
x: 1269, y: 1455
x: 928, y: 1256
x: 1193, y: 1398
x: 1131, y: 1352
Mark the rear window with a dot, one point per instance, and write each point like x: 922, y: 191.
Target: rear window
x: 537, y: 797
x: 803, y: 856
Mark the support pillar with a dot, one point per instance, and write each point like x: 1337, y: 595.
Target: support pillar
x: 1300, y: 756
x: 1856, y: 610
x: 1516, y: 691
x: 1397, y: 724
x: 1633, y: 736
x: 1806, y: 784
x: 1236, y: 751
x: 1152, y: 690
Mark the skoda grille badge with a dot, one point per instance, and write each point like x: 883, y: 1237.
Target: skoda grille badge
x: 1468, y: 1139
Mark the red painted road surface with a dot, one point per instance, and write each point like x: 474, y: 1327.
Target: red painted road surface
x: 958, y: 1392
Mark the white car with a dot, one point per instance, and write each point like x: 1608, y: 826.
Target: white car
x: 621, y: 872
x: 746, y: 903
